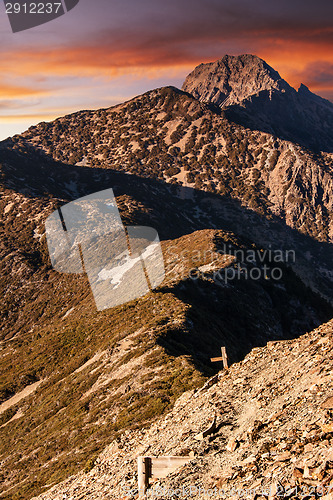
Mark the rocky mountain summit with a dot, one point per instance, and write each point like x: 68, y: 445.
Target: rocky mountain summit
x: 232, y: 80
x: 273, y: 436
x: 254, y: 94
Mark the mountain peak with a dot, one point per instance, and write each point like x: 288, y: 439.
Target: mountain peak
x: 303, y: 88
x: 232, y: 79
x: 254, y: 95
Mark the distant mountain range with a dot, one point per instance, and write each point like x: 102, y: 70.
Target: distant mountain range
x: 182, y: 162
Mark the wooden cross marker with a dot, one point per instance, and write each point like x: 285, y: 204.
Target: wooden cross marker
x: 224, y: 358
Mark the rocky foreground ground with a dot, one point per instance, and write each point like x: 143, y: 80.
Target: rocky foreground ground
x: 273, y: 436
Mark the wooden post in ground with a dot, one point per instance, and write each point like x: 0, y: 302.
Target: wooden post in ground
x: 143, y: 475
x: 156, y: 468
x: 223, y: 358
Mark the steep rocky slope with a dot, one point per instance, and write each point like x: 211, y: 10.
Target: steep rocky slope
x: 254, y: 94
x: 273, y: 437
x: 233, y: 79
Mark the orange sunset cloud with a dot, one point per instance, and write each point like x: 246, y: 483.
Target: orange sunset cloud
x: 8, y: 90
x: 115, y: 56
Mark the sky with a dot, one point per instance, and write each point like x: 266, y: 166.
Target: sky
x: 104, y: 52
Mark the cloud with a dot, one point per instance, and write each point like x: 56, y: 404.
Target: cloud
x: 123, y: 38
x: 8, y: 90
x: 318, y: 75
x: 28, y: 117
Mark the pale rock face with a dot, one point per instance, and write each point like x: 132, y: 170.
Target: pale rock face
x: 233, y: 79
x: 254, y: 95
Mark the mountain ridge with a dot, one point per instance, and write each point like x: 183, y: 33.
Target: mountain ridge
x: 234, y: 79
x: 198, y: 147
